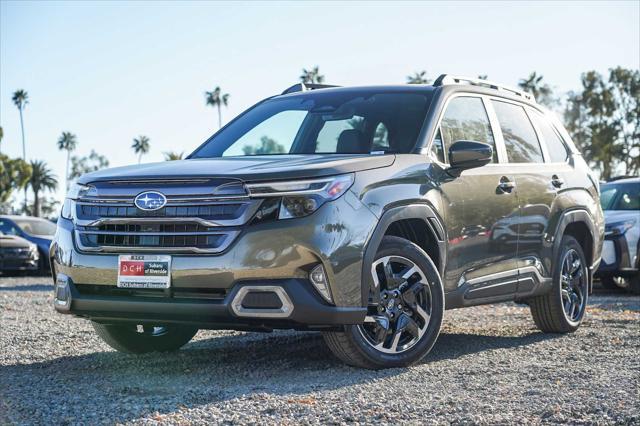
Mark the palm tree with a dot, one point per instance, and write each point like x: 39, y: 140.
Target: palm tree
x: 540, y: 90
x: 21, y: 99
x: 216, y: 99
x: 42, y: 179
x: 311, y: 76
x: 172, y: 156
x: 140, y: 146
x: 418, y: 78
x: 67, y: 142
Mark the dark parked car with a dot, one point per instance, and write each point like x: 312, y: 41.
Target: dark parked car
x: 620, y: 266
x: 34, y: 229
x: 361, y: 212
x: 17, y: 254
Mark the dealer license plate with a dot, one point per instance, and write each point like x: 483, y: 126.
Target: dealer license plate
x: 144, y: 271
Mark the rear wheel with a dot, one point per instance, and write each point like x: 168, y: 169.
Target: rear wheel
x: 403, y: 326
x: 562, y: 309
x: 137, y: 339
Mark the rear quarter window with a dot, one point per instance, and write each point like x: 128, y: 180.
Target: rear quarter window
x: 555, y: 146
x: 519, y: 136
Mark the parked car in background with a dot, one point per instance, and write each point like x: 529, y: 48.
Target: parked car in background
x: 620, y: 265
x: 33, y: 229
x: 17, y: 254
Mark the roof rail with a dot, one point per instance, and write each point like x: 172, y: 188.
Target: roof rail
x: 303, y: 87
x: 446, y: 79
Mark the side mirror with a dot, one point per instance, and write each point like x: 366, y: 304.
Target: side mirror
x: 465, y: 155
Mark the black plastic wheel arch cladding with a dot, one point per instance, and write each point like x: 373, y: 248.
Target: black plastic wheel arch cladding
x: 577, y: 216
x: 413, y: 211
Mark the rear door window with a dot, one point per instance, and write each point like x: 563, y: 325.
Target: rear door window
x: 519, y: 136
x: 555, y: 146
x: 465, y: 119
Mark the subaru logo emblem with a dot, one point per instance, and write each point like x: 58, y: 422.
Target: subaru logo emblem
x: 150, y: 200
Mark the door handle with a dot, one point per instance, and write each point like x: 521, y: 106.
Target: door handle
x: 506, y: 185
x: 556, y: 181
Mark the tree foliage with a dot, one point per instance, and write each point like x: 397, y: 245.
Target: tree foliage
x: 91, y: 163
x: 535, y: 85
x: 418, y: 77
x: 42, y: 179
x: 173, y: 156
x: 140, y: 146
x: 311, y: 76
x: 267, y: 146
x: 14, y: 175
x: 603, y: 119
x: 217, y: 99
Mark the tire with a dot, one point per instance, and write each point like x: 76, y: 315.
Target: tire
x: 609, y: 283
x: 422, y: 293
x: 127, y: 338
x: 549, y: 311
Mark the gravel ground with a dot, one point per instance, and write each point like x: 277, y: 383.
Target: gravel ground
x: 490, y: 365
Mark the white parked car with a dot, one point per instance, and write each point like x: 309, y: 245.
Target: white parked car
x: 620, y: 266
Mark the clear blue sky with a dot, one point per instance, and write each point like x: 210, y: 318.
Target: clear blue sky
x: 113, y: 70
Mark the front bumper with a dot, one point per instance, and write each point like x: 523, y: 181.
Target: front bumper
x: 282, y: 251
x: 303, y: 308
x: 617, y: 258
x: 19, y: 264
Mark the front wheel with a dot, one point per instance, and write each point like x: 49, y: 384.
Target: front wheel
x: 562, y: 309
x: 403, y: 326
x: 137, y: 339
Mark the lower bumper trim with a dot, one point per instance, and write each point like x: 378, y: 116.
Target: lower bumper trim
x: 308, y: 309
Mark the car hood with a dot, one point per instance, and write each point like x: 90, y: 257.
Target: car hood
x: 13, y: 241
x: 612, y: 216
x: 254, y: 168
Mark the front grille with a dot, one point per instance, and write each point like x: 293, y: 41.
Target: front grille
x: 191, y: 221
x: 14, y: 251
x: 210, y: 212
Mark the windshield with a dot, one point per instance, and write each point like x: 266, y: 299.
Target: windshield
x: 620, y: 196
x: 323, y: 123
x: 36, y: 226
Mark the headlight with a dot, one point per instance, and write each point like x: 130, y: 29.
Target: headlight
x: 303, y: 197
x: 619, y: 228
x: 76, y: 191
x: 33, y: 251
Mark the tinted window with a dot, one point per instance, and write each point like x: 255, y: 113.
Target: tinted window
x: 36, y: 226
x: 328, y: 136
x: 465, y: 119
x: 381, y: 138
x: 620, y: 196
x: 555, y: 146
x: 520, y: 139
x: 323, y: 122
x: 273, y: 136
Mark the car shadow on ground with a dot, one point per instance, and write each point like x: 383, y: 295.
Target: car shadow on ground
x: 28, y: 287
x: 120, y: 387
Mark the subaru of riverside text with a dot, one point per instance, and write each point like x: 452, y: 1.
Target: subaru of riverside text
x: 360, y: 212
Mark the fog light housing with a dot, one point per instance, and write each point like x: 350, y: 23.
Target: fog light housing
x: 318, y: 278
x: 62, y: 295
